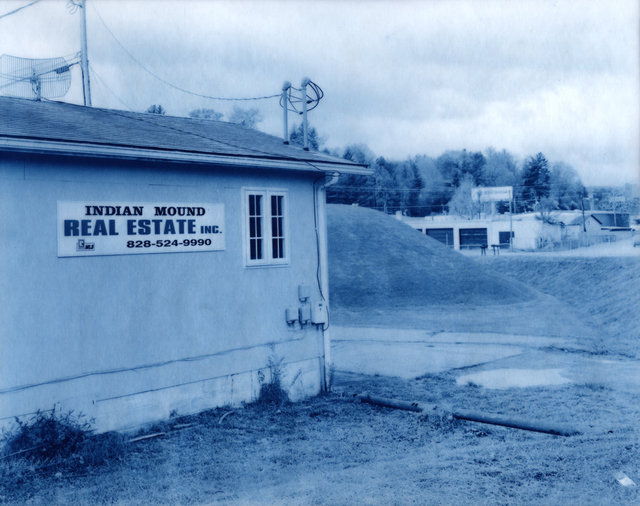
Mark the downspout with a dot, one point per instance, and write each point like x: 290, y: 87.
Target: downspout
x: 323, y: 262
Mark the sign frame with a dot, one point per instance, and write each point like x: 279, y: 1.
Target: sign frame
x: 89, y: 228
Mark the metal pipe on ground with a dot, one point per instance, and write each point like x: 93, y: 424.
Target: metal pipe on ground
x: 389, y: 403
x: 513, y: 424
x: 469, y: 416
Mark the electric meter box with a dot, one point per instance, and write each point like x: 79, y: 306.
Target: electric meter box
x: 305, y: 314
x: 319, y: 314
x: 292, y: 315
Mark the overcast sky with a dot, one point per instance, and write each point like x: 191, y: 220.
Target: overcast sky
x: 405, y: 78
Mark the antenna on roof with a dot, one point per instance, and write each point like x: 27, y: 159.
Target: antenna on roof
x: 35, y: 78
x: 309, y: 102
x: 286, y: 92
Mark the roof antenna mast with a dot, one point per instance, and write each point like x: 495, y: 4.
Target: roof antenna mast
x: 309, y: 102
x: 84, y: 61
x: 286, y: 90
x: 305, y: 124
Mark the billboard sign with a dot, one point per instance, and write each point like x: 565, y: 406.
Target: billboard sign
x: 492, y: 193
x: 127, y: 228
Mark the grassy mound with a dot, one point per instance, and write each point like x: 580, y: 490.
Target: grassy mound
x: 377, y: 261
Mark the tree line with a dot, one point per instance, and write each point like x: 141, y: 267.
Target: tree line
x: 422, y: 185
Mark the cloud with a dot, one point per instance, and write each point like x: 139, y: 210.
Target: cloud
x: 403, y: 77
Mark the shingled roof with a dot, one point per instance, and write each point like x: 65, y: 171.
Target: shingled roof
x: 59, y: 128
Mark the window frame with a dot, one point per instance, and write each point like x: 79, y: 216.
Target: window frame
x: 266, y: 226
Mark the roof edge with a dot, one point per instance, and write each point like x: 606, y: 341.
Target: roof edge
x: 93, y: 150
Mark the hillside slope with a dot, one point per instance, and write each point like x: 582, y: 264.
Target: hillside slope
x: 382, y: 272
x: 376, y: 259
x: 604, y: 292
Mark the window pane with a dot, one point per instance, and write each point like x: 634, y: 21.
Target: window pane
x: 255, y: 227
x: 277, y: 226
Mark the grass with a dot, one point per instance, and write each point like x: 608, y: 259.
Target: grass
x: 333, y: 450
x: 377, y: 261
x: 603, y: 292
x: 383, y: 272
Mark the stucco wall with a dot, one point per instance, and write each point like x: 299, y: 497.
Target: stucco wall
x: 130, y: 338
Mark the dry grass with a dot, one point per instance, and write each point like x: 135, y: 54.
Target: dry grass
x: 333, y: 450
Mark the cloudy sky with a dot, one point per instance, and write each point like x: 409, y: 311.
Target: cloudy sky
x: 405, y: 78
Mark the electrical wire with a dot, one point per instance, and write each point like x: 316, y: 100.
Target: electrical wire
x: 183, y: 90
x: 109, y: 89
x: 18, y: 9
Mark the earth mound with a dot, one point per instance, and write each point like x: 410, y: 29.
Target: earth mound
x: 376, y: 260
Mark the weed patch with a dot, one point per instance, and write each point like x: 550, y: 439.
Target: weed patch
x: 50, y: 443
x: 271, y: 392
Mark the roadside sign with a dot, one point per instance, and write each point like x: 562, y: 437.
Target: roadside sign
x: 492, y: 193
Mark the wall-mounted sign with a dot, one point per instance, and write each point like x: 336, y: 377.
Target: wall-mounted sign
x: 127, y: 228
x: 492, y: 193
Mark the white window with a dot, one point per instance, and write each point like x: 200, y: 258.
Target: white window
x: 266, y: 240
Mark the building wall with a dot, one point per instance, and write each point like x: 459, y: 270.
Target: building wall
x: 132, y: 338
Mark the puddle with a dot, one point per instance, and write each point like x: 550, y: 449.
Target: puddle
x: 514, y: 378
x: 410, y: 360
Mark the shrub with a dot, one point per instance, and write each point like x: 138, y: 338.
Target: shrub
x: 271, y: 392
x: 51, y: 442
x: 46, y: 436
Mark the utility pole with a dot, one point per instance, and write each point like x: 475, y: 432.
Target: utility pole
x: 510, y: 224
x: 84, y: 59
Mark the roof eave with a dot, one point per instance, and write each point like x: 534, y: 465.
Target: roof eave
x: 148, y: 154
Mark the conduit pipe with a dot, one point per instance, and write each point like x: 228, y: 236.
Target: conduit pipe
x: 321, y: 234
x: 469, y: 416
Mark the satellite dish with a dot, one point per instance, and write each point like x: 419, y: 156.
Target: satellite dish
x: 34, y: 78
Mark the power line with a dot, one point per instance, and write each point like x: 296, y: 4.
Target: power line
x: 183, y: 90
x: 18, y: 9
x: 102, y: 81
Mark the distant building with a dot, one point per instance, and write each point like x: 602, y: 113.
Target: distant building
x: 152, y: 265
x: 528, y: 231
x: 601, y: 221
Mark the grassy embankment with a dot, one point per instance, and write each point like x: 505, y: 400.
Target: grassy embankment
x: 382, y: 272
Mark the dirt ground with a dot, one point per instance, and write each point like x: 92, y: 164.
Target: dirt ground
x: 334, y: 449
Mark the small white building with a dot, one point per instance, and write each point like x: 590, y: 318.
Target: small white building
x: 528, y: 231
x: 152, y: 265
